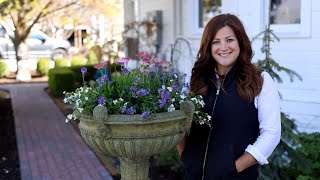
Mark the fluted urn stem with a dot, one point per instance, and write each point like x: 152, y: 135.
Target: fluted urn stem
x: 134, y: 169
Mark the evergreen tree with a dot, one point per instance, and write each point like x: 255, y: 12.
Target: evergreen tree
x: 285, y: 153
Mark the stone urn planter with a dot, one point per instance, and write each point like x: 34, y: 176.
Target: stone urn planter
x: 133, y: 139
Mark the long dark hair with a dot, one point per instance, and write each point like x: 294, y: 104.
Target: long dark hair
x: 248, y: 77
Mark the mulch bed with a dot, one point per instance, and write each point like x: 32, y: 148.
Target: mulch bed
x: 9, y: 159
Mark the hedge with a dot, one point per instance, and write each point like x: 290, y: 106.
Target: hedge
x: 4, y: 70
x: 61, y: 79
x: 43, y: 66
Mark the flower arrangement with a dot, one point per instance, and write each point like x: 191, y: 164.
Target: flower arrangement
x: 147, y: 90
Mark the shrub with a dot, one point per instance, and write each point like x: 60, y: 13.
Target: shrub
x: 4, y: 70
x: 169, y: 159
x: 43, y: 66
x: 78, y: 61
x: 92, y: 58
x: 61, y: 62
x: 61, y: 79
x: 78, y: 76
x: 310, y: 149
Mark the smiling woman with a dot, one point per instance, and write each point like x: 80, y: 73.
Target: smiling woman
x: 242, y: 101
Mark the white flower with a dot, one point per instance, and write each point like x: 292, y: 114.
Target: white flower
x: 69, y: 116
x: 171, y: 80
x: 196, y: 112
x: 209, y: 117
x: 201, y: 102
x: 169, y: 89
x: 175, y: 76
x: 171, y: 108
x: 173, y: 100
x: 67, y: 120
x: 120, y: 99
x: 194, y: 99
x: 182, y: 96
x: 86, y: 98
x: 64, y: 92
x: 80, y: 110
x: 65, y: 100
x: 115, y: 102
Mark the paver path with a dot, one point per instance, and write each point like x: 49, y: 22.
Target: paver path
x: 49, y: 149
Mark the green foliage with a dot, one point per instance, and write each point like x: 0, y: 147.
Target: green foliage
x: 310, y: 149
x: 98, y: 51
x: 269, y: 64
x: 61, y: 62
x: 43, y: 66
x: 78, y: 61
x: 115, y: 67
x: 4, y: 70
x: 171, y: 159
x: 110, y: 49
x: 60, y: 80
x: 92, y: 58
x: 78, y: 76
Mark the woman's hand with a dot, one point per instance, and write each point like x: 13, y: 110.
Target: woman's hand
x: 245, y: 161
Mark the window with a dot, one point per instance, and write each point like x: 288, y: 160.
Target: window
x: 208, y: 9
x: 203, y: 11
x: 290, y: 18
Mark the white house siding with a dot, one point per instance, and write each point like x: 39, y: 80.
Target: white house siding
x: 300, y: 99
x: 166, y: 6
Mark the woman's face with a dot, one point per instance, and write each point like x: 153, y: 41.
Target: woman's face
x: 225, y: 49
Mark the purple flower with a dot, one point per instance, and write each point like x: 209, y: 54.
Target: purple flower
x: 165, y: 95
x: 176, y: 87
x: 83, y: 70
x: 154, y: 68
x: 163, y: 103
x: 102, y: 101
x: 133, y: 89
x: 131, y: 110
x: 143, y: 92
x: 103, y: 80
x: 124, y: 71
x: 146, y: 114
x: 123, y: 109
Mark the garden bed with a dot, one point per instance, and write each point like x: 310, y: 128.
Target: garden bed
x: 9, y: 159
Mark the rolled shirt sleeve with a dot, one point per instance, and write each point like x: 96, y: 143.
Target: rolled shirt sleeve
x: 268, y: 105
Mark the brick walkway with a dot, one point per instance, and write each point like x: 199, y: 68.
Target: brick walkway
x: 49, y: 149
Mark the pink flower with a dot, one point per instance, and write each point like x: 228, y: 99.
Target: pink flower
x: 157, y: 60
x: 123, y: 60
x: 100, y: 65
x: 144, y: 55
x: 165, y: 63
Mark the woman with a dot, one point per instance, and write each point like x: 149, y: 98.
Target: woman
x: 243, y: 103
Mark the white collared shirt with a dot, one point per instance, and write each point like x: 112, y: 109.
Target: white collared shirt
x: 268, y: 105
